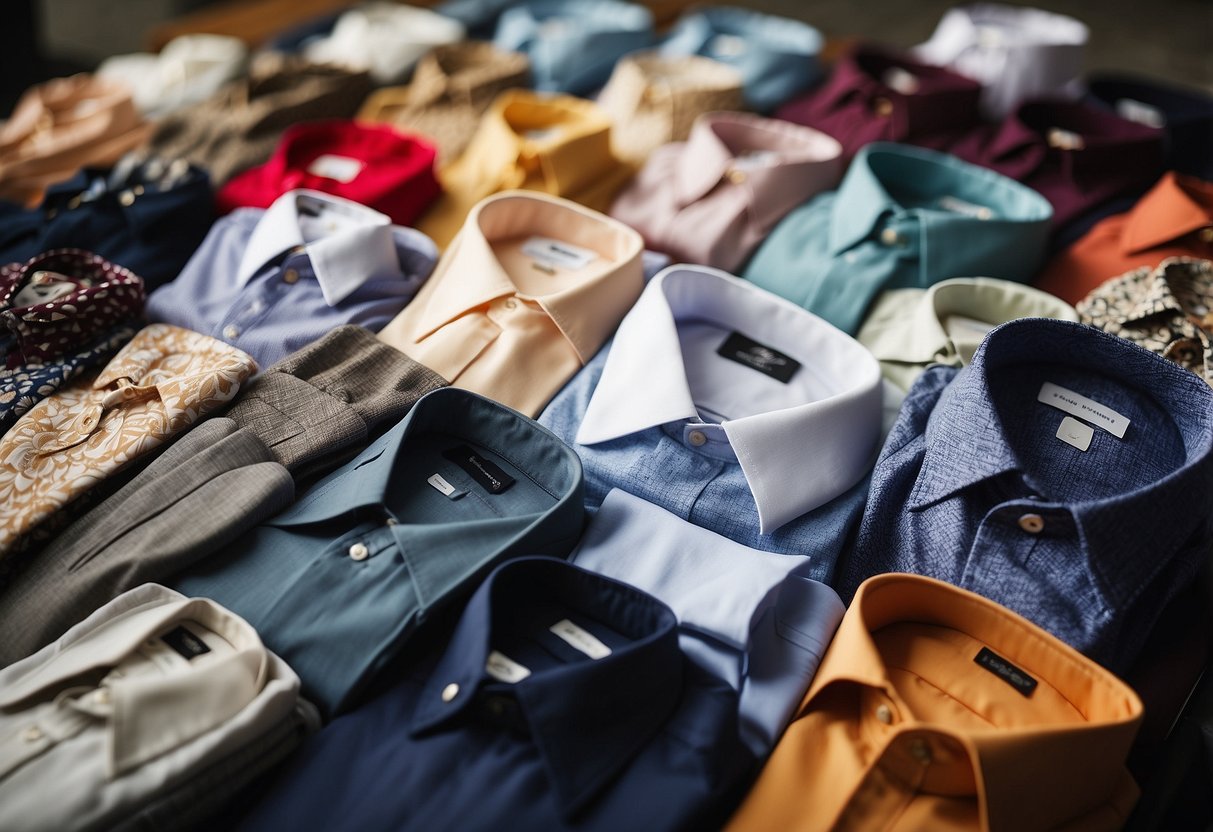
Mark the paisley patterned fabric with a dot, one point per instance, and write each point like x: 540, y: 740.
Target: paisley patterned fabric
x: 53, y: 304
x: 1167, y: 310
x: 159, y: 385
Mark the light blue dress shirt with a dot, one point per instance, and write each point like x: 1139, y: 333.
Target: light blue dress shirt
x: 903, y: 218
x: 751, y: 618
x: 573, y: 44
x: 776, y: 56
x: 272, y: 281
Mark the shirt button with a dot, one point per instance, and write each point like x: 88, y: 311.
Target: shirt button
x: 138, y: 190
x: 1032, y: 523
x: 735, y: 176
x: 126, y: 198
x: 920, y: 751
x: 1206, y: 234
x: 884, y: 714
x: 359, y: 551
x: 883, y: 107
x: 231, y: 331
x: 290, y: 276
x: 32, y: 734
x: 697, y: 438
x: 392, y: 521
x: 450, y: 692
x: 101, y: 696
x: 510, y: 303
x: 890, y: 237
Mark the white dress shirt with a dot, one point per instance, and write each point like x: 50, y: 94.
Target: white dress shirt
x: 189, y: 69
x: 132, y: 702
x: 1016, y: 53
x: 385, y: 38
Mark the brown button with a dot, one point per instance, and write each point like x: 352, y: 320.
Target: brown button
x: 735, y: 176
x: 290, y: 276
x: 74, y: 202
x: 1206, y: 234
x: 1032, y: 523
x: 882, y: 107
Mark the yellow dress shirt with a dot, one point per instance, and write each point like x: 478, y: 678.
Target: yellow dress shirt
x: 937, y: 709
x: 556, y: 144
x: 526, y: 294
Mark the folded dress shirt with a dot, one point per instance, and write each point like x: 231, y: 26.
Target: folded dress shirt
x: 189, y: 69
x: 1184, y: 113
x: 937, y: 709
x: 272, y: 281
x: 375, y: 166
x: 903, y: 217
x: 385, y: 39
x: 148, y: 694
x: 526, y: 294
x: 1063, y: 473
x: 339, y: 582
x: 766, y: 442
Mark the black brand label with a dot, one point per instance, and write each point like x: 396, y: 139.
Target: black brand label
x: 754, y: 355
x: 491, y: 478
x: 1006, y: 671
x: 185, y: 642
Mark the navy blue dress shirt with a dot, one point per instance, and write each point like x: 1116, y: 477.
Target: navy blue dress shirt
x: 983, y: 485
x: 1184, y: 113
x: 148, y: 219
x: 561, y: 701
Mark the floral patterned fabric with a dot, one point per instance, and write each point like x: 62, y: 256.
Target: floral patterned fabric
x: 159, y: 385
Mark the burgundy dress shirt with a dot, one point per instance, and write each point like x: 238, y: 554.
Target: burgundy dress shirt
x: 875, y: 94
x: 1076, y: 156
x: 375, y: 165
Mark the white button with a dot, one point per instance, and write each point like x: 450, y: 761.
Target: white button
x: 884, y: 714
x: 697, y: 438
x: 231, y: 331
x: 126, y: 198
x: 359, y: 551
x: 450, y: 692
x: 32, y: 734
x: 1032, y: 523
x: 391, y: 521
x: 102, y: 696
x: 889, y: 237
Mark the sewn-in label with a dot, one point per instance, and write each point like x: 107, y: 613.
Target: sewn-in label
x: 1003, y: 669
x: 188, y: 645
x: 485, y: 472
x: 1140, y: 112
x: 441, y: 485
x: 960, y: 206
x: 340, y: 168
x: 1076, y: 433
x: 558, y: 254
x: 728, y: 46
x: 960, y: 326
x: 504, y: 669
x: 1089, y: 410
x: 1064, y: 139
x: 757, y: 159
x: 899, y: 80
x: 579, y: 639
x: 756, y: 356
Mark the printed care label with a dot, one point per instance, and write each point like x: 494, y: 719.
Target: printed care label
x: 556, y: 254
x: 579, y: 639
x: 1086, y: 409
x: 1076, y: 433
x: 340, y: 168
x: 504, y: 669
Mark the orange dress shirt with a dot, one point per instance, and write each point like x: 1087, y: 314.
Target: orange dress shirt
x: 505, y: 315
x: 1174, y: 219
x: 937, y: 709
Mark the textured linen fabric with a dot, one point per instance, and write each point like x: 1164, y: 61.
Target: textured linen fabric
x: 663, y: 413
x: 272, y: 281
x: 1174, y: 219
x: 339, y: 582
x: 748, y: 617
x: 208, y: 489
x: 451, y: 89
x: 573, y: 44
x: 1164, y: 309
x: 189, y: 69
x: 506, y: 316
x: 653, y: 100
x: 384, y: 39
x: 1184, y: 113
x: 147, y: 216
x: 874, y: 94
x: 147, y: 692
x: 903, y: 218
x: 776, y: 56
x: 159, y: 385
x: 1016, y: 53
x: 61, y: 126
x: 906, y: 728
x: 910, y: 329
x: 602, y: 725
x: 977, y: 485
x: 712, y: 199
x: 375, y: 166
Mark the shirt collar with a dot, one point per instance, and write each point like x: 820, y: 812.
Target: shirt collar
x: 360, y: 246
x: 1056, y: 41
x: 799, y: 160
x: 582, y: 308
x: 589, y: 718
x: 1161, y: 290
x: 831, y: 432
x: 1174, y: 208
x: 966, y: 441
x: 463, y: 72
x: 995, y: 758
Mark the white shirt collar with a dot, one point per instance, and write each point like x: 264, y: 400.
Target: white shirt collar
x: 385, y: 38
x: 806, y: 441
x: 347, y: 243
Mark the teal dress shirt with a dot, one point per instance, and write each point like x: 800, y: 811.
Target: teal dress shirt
x: 903, y: 217
x: 338, y: 582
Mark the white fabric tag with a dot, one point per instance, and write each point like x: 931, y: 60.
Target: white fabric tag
x: 959, y: 325
x: 579, y: 639
x: 504, y: 669
x: 1076, y: 433
x: 1064, y: 139
x: 541, y: 135
x: 1086, y: 409
x: 557, y: 254
x: 756, y: 159
x: 441, y: 485
x: 728, y: 46
x: 341, y: 168
x: 959, y: 206
x: 1140, y: 112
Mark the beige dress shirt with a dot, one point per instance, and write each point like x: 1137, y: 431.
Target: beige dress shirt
x: 526, y: 294
x: 160, y: 384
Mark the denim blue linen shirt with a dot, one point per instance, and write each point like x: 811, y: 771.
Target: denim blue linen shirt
x: 903, y: 218
x: 338, y: 582
x: 573, y: 44
x: 272, y: 281
x: 560, y: 700
x: 776, y: 56
x: 982, y: 485
x: 685, y: 408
